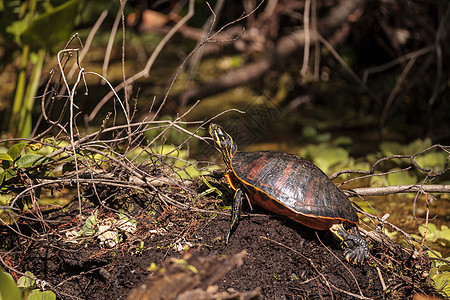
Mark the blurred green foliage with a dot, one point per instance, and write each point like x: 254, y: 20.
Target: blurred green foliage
x: 25, y: 289
x: 8, y: 288
x: 30, y: 29
x: 332, y: 155
x: 14, y: 159
x: 435, y: 235
x: 440, y: 275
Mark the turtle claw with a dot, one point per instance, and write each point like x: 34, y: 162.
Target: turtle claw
x: 356, y: 248
x: 355, y: 256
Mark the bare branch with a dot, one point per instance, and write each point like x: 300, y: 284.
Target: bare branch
x: 146, y: 71
x: 395, y: 189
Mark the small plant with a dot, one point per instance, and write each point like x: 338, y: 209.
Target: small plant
x: 210, y: 190
x: 110, y: 231
x: 435, y: 235
x: 277, y: 276
x: 440, y: 276
x: 15, y: 159
x: 34, y: 28
x: 8, y: 288
x: 27, y: 284
x: 18, y: 165
x: 25, y: 288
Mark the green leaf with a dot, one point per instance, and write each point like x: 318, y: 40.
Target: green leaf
x: 6, y: 156
x: 15, y: 151
x: 390, y: 234
x: 2, y: 178
x: 377, y: 181
x: 431, y: 232
x: 441, y: 283
x: 152, y: 267
x: 309, y: 131
x: 25, y: 281
x: 438, y: 265
x: 391, y: 148
x: 326, y: 157
x: 8, y: 17
x: 90, y: 226
x: 124, y: 218
x: 5, y: 198
x: 8, y: 288
x: 7, y: 175
x: 186, y: 170
x: 401, y: 178
x: 343, y: 141
x: 435, y: 160
x: 38, y: 295
x: 30, y: 160
x: 441, y: 236
x: 17, y: 28
x: 417, y: 146
x: 444, y: 267
x: 52, y: 27
x: 444, y: 233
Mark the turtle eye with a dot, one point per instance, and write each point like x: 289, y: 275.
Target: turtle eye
x: 222, y: 140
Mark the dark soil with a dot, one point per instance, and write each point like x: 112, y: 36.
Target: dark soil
x: 284, y: 259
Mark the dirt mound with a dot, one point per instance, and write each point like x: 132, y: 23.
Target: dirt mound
x: 283, y: 260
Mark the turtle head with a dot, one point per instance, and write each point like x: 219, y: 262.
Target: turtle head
x: 223, y: 141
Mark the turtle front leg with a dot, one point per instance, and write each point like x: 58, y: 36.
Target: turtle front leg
x: 236, y: 212
x: 356, y: 248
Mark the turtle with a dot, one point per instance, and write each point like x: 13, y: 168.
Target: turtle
x: 288, y: 185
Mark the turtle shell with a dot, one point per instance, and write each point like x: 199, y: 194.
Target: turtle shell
x: 288, y: 185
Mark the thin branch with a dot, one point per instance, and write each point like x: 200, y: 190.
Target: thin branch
x: 399, y: 60
x: 394, y: 91
x: 306, y: 24
x: 87, y: 44
x: 395, y: 189
x: 316, y: 268
x: 341, y: 61
x: 430, y: 172
x: 124, y: 78
x: 71, y: 118
x: 112, y: 36
x: 146, y: 71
